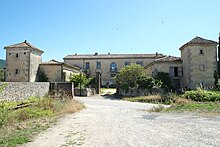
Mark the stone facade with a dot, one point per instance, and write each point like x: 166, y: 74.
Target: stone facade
x: 169, y: 64
x: 196, y: 66
x: 199, y: 63
x: 22, y: 62
x: 58, y: 71
x: 108, y: 64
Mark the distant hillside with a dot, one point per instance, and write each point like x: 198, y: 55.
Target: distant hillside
x: 2, y: 63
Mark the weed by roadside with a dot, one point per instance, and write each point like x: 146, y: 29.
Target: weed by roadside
x: 19, y: 124
x: 158, y: 108
x: 156, y: 99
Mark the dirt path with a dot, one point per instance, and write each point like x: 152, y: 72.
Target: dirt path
x: 119, y: 123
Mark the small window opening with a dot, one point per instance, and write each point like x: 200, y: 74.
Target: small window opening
x: 16, y: 71
x: 201, y: 52
x: 16, y: 55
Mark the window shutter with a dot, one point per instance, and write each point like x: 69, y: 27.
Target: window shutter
x: 171, y: 72
x: 180, y: 71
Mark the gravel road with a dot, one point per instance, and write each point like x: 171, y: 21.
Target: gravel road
x: 112, y: 123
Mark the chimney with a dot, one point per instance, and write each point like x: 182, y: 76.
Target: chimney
x: 156, y: 54
x: 25, y: 41
x: 96, y: 54
x: 108, y: 53
x: 75, y: 54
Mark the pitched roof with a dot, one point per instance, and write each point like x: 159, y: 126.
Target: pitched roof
x: 24, y: 44
x: 54, y: 62
x: 112, y: 56
x: 165, y: 59
x: 199, y: 40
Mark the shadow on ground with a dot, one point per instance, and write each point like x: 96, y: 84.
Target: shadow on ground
x: 111, y: 96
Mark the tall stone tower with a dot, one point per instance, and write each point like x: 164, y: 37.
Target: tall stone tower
x: 23, y: 60
x: 199, y: 58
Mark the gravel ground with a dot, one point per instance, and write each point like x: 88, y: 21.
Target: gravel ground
x: 114, y: 123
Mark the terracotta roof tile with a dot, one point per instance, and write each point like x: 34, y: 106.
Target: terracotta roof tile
x: 168, y: 59
x: 198, y: 40
x: 113, y: 56
x: 54, y: 62
x: 24, y: 44
x: 164, y: 59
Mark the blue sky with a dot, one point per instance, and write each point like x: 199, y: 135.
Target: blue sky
x: 62, y: 27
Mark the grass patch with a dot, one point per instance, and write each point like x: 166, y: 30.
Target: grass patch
x: 18, y: 126
x: 203, y: 107
x: 156, y: 99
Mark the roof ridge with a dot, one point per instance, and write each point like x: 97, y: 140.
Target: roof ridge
x: 198, y: 40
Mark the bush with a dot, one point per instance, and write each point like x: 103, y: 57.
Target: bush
x: 81, y: 78
x: 134, y: 77
x: 202, y: 95
x: 165, y: 79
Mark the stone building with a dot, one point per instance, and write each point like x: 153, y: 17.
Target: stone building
x: 199, y: 58
x: 108, y: 64
x: 196, y: 66
x: 168, y: 64
x: 23, y: 60
x: 58, y: 71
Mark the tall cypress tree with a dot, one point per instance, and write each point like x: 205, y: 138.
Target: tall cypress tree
x: 218, y: 55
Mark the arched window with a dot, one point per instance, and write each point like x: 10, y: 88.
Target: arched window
x: 113, y: 67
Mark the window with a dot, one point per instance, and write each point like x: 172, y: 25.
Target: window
x: 17, y: 55
x: 139, y: 63
x: 25, y: 53
x: 202, y: 67
x: 98, y: 65
x: 201, y: 52
x: 175, y: 71
x: 113, y: 67
x: 113, y: 75
x: 16, y: 71
x: 87, y: 65
x: 127, y: 63
x: 9, y: 54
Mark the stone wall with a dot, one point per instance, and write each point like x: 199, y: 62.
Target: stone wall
x: 133, y: 92
x: 23, y: 90
x: 199, y: 68
x: 62, y: 90
x: 85, y: 92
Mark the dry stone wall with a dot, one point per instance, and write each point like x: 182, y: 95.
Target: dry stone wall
x: 23, y: 90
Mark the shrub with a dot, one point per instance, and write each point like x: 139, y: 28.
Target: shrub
x: 134, y: 77
x: 202, y: 95
x: 165, y: 80
x: 82, y: 79
x: 42, y: 77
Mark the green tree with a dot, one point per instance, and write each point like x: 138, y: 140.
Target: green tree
x: 42, y: 77
x: 134, y: 76
x: 2, y: 75
x: 165, y: 79
x: 82, y: 79
x: 128, y: 76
